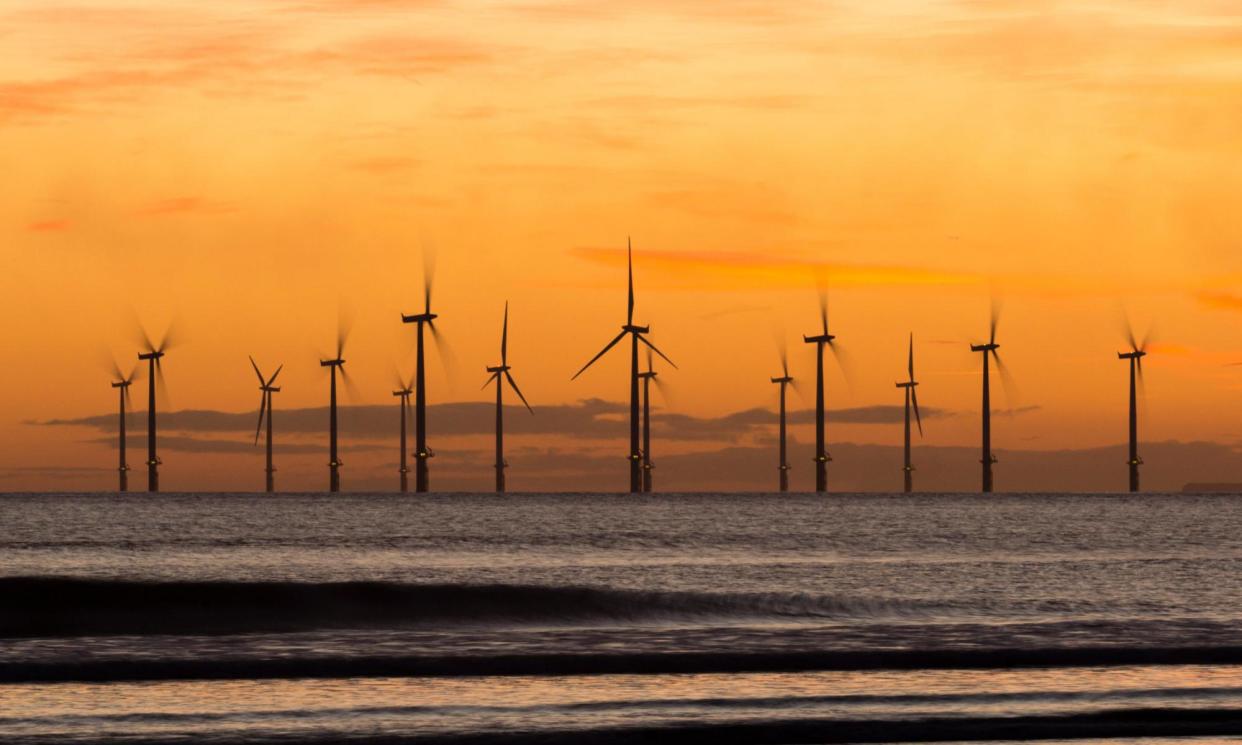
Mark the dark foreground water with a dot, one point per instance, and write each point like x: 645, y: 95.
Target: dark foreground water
x: 589, y: 618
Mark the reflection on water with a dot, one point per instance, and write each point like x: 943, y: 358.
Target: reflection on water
x: 412, y: 706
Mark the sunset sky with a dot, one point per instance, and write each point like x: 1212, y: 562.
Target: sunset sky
x: 254, y: 168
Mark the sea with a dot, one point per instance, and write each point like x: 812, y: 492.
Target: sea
x: 608, y: 618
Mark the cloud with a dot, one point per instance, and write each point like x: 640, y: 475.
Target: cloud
x: 48, y: 226
x: 183, y: 205
x: 1221, y: 300
x: 764, y: 269
x: 590, y: 419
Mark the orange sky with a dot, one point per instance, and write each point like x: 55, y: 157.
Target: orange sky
x: 248, y: 166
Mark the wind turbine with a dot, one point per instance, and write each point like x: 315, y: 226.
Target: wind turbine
x: 403, y: 392
x: 155, y: 371
x: 1138, y: 350
x: 821, y: 340
x: 637, y: 334
x: 265, y: 407
x: 335, y: 364
x: 122, y: 384
x: 648, y: 377
x: 784, y: 381
x: 989, y: 351
x: 424, y: 319
x: 497, y: 372
x: 912, y: 398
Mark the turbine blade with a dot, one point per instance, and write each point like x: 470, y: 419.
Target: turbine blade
x: 344, y: 324
x: 911, y: 366
x: 1142, y: 384
x: 161, y: 387
x: 784, y: 352
x: 448, y: 358
x: 258, y: 374
x: 139, y: 332
x: 273, y: 378
x: 1007, y: 382
x: 490, y: 378
x: 351, y: 389
x: 823, y: 309
x: 914, y: 399
x: 602, y: 352
x: 994, y: 321
x: 172, y: 336
x: 656, y: 349
x: 513, y: 384
x: 1128, y: 328
x: 429, y: 276
x: 844, y: 361
x: 129, y: 400
x: 664, y: 390
x: 116, y: 372
x: 504, y: 337
x: 629, y: 258
x: 262, y: 410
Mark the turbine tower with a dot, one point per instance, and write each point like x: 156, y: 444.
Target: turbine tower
x: 334, y: 365
x: 1138, y: 350
x: 988, y: 351
x: 637, y: 334
x: 821, y: 340
x: 648, y: 377
x: 403, y: 392
x: 912, y: 398
x: 496, y: 373
x: 784, y: 382
x: 122, y: 384
x: 265, y: 407
x: 422, y: 453
x: 153, y: 357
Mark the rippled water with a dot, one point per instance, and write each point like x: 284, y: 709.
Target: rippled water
x: 713, y: 618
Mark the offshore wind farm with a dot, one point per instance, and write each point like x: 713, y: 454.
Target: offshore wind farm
x: 640, y: 457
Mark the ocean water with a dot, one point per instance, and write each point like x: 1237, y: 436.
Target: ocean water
x: 205, y: 618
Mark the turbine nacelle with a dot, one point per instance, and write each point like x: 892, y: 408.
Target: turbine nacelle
x: 910, y: 384
x: 153, y: 355
x: 270, y: 388
x: 648, y: 375
x: 630, y: 328
x: 331, y: 363
x: 784, y: 379
x: 499, y: 369
x: 122, y: 384
x: 820, y: 339
x: 404, y: 392
x: 989, y: 347
x: 1135, y: 355
x: 427, y: 317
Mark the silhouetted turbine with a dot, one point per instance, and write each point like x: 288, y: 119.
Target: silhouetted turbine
x: 989, y: 351
x: 334, y: 365
x: 403, y: 392
x: 1138, y: 350
x: 637, y: 334
x: 266, y: 389
x: 648, y: 377
x: 912, y: 398
x: 820, y: 341
x: 122, y: 384
x: 783, y: 381
x: 153, y: 357
x: 497, y: 372
x: 422, y: 476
